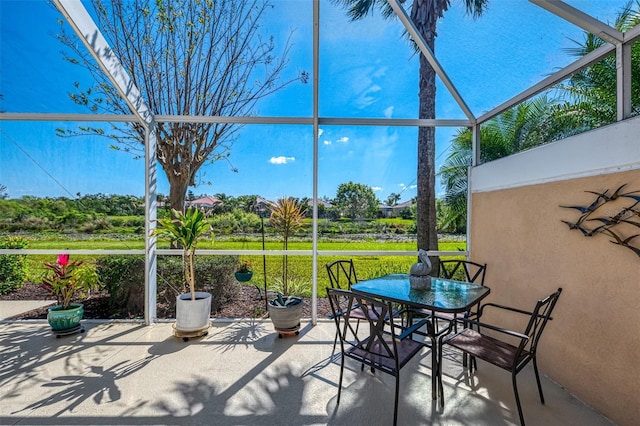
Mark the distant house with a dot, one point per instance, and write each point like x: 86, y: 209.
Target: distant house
x: 323, y: 208
x: 205, y: 203
x: 394, y: 211
x: 322, y: 203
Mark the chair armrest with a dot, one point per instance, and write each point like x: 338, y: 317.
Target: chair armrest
x: 507, y: 308
x: 495, y: 328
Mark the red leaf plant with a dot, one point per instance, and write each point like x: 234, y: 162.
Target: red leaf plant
x: 68, y: 279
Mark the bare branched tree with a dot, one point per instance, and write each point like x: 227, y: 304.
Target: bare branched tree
x: 187, y: 57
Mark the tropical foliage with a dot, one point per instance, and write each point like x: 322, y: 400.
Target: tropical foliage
x: 425, y: 15
x: 586, y: 101
x: 286, y: 218
x: 519, y: 128
x: 67, y: 279
x: 185, y: 229
x: 590, y: 95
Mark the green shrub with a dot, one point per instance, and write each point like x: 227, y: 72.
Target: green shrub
x: 123, y: 278
x: 13, y: 267
x: 237, y: 221
x: 214, y: 274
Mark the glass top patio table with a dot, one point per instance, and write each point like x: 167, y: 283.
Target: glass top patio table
x: 443, y: 296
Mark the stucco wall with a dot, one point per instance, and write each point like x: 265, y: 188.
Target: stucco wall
x: 592, y: 345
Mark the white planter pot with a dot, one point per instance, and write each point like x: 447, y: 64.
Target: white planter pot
x: 286, y: 318
x: 193, y: 315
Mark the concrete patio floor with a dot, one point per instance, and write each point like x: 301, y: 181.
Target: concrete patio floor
x: 242, y: 374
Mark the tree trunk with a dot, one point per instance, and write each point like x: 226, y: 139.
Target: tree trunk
x: 177, y: 190
x: 427, y: 234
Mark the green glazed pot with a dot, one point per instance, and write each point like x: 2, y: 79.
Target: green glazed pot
x: 65, y: 319
x: 244, y: 276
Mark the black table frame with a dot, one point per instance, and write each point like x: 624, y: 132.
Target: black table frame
x: 444, y: 296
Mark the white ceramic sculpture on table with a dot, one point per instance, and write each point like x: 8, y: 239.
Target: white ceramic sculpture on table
x: 419, y: 278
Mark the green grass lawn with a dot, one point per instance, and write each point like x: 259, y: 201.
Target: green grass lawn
x: 299, y: 267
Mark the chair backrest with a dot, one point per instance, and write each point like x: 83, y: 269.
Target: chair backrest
x: 464, y: 270
x: 372, y: 348
x: 342, y: 274
x: 540, y: 315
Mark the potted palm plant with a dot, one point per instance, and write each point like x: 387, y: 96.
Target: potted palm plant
x: 67, y: 280
x: 193, y: 308
x: 285, y: 310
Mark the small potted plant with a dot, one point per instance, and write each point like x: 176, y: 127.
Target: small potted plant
x: 193, y: 308
x: 244, y: 272
x: 285, y: 310
x: 67, y: 280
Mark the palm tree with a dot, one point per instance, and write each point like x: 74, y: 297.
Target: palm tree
x: 590, y: 102
x: 425, y: 15
x: 529, y: 124
x: 591, y: 93
x: 393, y: 199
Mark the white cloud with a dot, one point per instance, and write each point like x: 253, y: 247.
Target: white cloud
x: 376, y: 188
x: 326, y: 142
x: 380, y: 72
x: 388, y: 112
x: 403, y: 186
x: 320, y: 132
x: 366, y: 97
x: 343, y: 139
x: 281, y: 160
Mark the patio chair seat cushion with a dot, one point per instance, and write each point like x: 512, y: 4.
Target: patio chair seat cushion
x: 378, y: 356
x: 494, y: 351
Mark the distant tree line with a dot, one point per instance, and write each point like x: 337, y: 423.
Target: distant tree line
x: 86, y: 213
x: 103, y: 213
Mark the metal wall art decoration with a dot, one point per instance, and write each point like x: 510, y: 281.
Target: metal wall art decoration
x: 615, y: 214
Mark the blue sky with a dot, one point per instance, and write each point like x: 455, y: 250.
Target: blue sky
x: 367, y: 70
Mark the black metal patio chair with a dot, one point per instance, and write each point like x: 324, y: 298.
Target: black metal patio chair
x: 461, y: 270
x: 491, y: 347
x: 386, y: 351
x: 342, y: 274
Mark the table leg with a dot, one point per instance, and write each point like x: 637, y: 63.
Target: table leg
x: 431, y: 331
x: 439, y: 344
